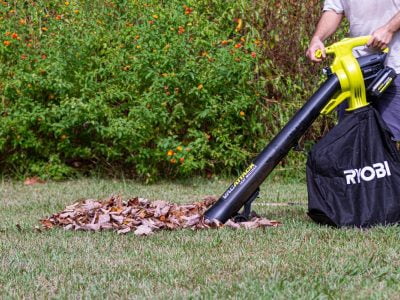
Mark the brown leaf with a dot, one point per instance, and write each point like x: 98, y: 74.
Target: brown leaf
x: 118, y: 219
x: 143, y: 230
x: 33, y: 180
x: 47, y: 223
x: 91, y: 204
x: 232, y: 224
x: 94, y: 227
x: 104, y: 219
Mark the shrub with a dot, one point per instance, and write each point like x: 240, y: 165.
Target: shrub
x: 151, y: 88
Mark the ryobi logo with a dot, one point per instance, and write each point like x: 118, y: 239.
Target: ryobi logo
x: 368, y: 173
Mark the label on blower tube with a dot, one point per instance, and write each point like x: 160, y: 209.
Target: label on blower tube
x: 242, y: 178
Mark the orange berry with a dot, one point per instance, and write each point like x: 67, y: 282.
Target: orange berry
x: 58, y: 17
x: 179, y: 148
x: 15, y: 36
x: 22, y: 21
x: 181, y: 30
x: 242, y: 113
x: 238, y: 45
x: 182, y: 159
x: 224, y: 42
x: 7, y: 43
x: 188, y: 10
x: 253, y: 54
x: 170, y: 153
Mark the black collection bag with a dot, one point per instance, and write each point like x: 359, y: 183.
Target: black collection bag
x: 353, y: 174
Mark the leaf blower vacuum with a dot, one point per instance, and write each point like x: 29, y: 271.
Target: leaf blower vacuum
x: 348, y: 78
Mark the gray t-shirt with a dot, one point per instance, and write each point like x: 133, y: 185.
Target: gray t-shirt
x: 365, y: 16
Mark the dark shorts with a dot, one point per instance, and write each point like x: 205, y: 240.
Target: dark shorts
x: 388, y: 106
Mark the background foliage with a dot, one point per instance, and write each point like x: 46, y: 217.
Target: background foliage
x: 150, y: 89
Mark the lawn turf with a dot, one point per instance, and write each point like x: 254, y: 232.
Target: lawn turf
x: 296, y: 260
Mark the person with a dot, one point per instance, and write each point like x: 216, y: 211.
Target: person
x: 381, y: 20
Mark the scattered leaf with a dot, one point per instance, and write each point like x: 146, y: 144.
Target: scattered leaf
x: 33, y: 180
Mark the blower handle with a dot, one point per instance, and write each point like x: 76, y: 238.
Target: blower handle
x: 345, y: 66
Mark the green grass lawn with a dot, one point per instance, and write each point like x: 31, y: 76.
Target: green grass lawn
x: 297, y: 260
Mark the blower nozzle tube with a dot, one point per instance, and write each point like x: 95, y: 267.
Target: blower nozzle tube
x: 242, y: 189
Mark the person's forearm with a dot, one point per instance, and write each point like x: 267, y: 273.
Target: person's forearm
x: 382, y: 36
x: 327, y: 25
x: 394, y: 24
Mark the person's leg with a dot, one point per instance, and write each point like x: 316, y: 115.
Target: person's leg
x: 388, y: 105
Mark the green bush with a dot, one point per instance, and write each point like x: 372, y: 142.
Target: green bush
x: 150, y: 88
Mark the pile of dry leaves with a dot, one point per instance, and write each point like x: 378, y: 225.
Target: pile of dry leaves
x: 141, y: 216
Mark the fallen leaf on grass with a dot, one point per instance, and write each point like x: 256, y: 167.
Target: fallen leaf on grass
x: 142, y: 217
x: 143, y: 230
x: 33, y: 180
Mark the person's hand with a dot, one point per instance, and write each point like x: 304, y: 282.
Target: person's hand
x: 316, y: 44
x: 380, y: 38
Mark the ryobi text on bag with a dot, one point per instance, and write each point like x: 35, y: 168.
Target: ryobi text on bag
x: 368, y: 173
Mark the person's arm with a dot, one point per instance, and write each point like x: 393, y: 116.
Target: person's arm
x: 327, y: 25
x: 381, y: 37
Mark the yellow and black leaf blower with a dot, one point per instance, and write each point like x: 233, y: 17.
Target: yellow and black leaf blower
x: 350, y: 79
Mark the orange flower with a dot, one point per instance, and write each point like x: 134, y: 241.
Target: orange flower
x: 238, y: 45
x: 170, y: 153
x: 15, y: 36
x: 7, y: 43
x: 182, y: 159
x: 188, y: 10
x: 239, y: 25
x: 224, y: 42
x: 173, y: 161
x: 151, y: 22
x: 200, y: 86
x: 155, y: 16
x: 44, y: 56
x: 66, y: 3
x: 22, y: 21
x: 253, y: 54
x: 179, y: 148
x: 181, y: 30
x: 137, y: 37
x: 242, y: 113
x: 44, y: 29
x: 58, y: 17
x: 23, y: 57
x: 7, y: 33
